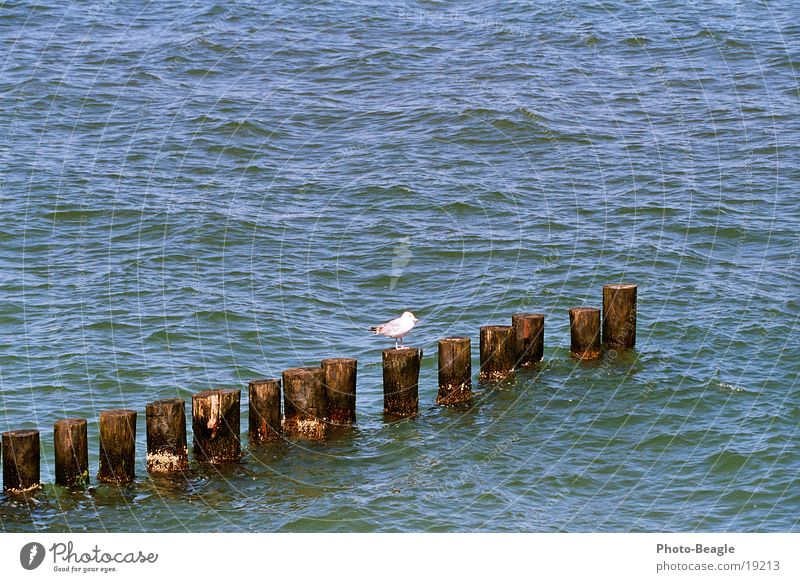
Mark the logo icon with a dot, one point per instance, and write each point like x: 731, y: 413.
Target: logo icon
x: 31, y: 555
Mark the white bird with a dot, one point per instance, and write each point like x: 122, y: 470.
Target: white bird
x: 397, y: 329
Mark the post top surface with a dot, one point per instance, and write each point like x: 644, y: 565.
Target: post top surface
x: 118, y: 412
x: 303, y: 370
x: 402, y: 351
x: 165, y: 401
x: 207, y: 393
x: 265, y: 381
x: 70, y: 421
x: 25, y: 432
x: 454, y: 339
x: 583, y: 309
x: 338, y: 361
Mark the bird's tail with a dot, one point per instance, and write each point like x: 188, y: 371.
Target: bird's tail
x: 374, y: 329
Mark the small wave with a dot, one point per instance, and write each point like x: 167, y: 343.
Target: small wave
x: 201, y: 72
x: 727, y: 461
x: 636, y: 41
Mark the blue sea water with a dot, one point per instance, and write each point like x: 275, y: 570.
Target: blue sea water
x: 197, y: 194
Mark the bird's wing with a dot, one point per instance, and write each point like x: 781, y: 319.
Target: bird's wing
x: 386, y: 327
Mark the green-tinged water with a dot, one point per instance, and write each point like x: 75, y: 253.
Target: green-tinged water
x: 198, y: 194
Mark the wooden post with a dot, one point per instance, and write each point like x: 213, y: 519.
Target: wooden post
x: 529, y: 338
x: 117, y: 446
x: 497, y: 351
x: 584, y: 325
x: 166, y: 436
x: 264, y: 408
x: 455, y: 371
x: 401, y: 381
x: 619, y: 316
x: 71, y: 443
x: 340, y: 386
x: 215, y: 424
x: 305, y: 402
x: 20, y: 460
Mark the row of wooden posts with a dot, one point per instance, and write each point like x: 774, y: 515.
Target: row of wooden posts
x: 315, y: 399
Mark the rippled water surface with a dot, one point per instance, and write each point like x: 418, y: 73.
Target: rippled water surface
x: 197, y: 194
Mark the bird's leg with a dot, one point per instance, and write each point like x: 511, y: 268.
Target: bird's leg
x: 396, y: 346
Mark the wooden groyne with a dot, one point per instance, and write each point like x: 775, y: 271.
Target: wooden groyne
x: 498, y: 352
x: 528, y: 338
x: 166, y: 436
x: 20, y: 460
x: 315, y: 399
x: 215, y: 424
x: 264, y: 414
x: 117, y: 446
x: 584, y: 329
x: 401, y: 381
x: 455, y: 371
x: 305, y: 402
x: 71, y: 440
x: 619, y: 316
x: 340, y: 375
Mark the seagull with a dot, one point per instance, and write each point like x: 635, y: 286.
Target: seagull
x: 397, y: 329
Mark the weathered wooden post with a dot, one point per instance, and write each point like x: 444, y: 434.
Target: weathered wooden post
x: 529, y: 338
x: 584, y: 325
x: 455, y: 371
x: 305, y: 402
x: 401, y: 381
x: 497, y: 352
x: 166, y: 436
x: 71, y: 443
x: 264, y: 410
x: 215, y: 424
x: 340, y: 386
x: 117, y: 446
x: 20, y: 460
x: 619, y: 316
